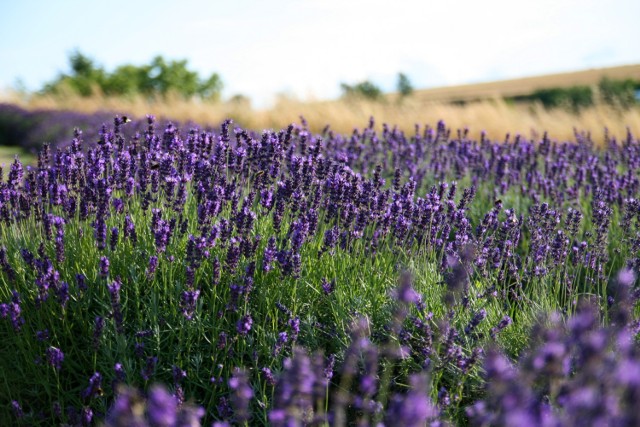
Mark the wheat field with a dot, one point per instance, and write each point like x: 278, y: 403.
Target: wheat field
x: 496, y: 117
x: 493, y: 115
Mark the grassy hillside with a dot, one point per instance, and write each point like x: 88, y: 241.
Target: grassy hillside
x: 526, y: 85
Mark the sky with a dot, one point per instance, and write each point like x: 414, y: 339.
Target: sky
x: 306, y: 48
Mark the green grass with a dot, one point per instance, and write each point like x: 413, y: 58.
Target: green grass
x: 8, y: 153
x: 365, y: 283
x: 364, y: 286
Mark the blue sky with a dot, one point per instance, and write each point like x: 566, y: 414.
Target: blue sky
x: 306, y: 48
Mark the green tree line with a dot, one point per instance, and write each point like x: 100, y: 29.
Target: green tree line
x: 157, y: 78
x: 620, y: 93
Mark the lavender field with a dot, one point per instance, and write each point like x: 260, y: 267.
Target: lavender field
x: 159, y: 274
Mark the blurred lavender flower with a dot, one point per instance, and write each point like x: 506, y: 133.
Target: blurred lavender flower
x: 55, y: 357
x: 149, y: 368
x: 626, y: 277
x: 294, y: 391
x: 119, y: 377
x: 328, y: 287
x: 86, y: 416
x: 283, y: 338
x: 478, y: 317
x: 188, y: 303
x: 161, y: 407
x: 81, y: 281
x: 243, y: 326
x: 269, y: 255
x: 17, y: 409
x: 97, y: 331
x: 506, y: 321
x: 113, y: 241
x: 241, y: 395
x: 95, y: 387
x: 405, y: 292
x: 268, y: 376
x: 13, y: 311
x: 62, y: 292
x: 104, y: 266
x: 114, y: 291
x: 414, y: 408
x: 153, y: 265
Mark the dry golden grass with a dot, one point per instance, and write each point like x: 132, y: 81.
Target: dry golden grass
x: 496, y: 117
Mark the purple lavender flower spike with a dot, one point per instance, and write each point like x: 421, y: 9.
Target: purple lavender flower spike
x: 149, y: 368
x: 243, y: 326
x: 188, y: 302
x: 55, y: 357
x: 104, y: 266
x: 328, y: 287
x: 95, y: 387
x: 116, y: 309
x: 17, y: 409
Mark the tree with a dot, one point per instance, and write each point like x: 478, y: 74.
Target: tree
x: 574, y: 97
x: 85, y: 76
x: 404, y: 85
x: 364, y: 89
x: 158, y: 78
x: 82, y: 65
x: 618, y: 92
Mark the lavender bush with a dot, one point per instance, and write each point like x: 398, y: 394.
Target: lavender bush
x: 29, y: 129
x: 289, y: 278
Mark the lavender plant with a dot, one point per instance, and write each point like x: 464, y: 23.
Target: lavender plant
x: 223, y: 261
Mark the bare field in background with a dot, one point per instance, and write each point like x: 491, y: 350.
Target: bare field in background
x: 526, y: 85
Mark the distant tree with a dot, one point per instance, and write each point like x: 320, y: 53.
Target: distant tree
x: 574, y: 97
x: 240, y: 100
x: 85, y: 76
x: 128, y: 80
x: 158, y: 78
x: 364, y: 89
x: 618, y: 92
x: 404, y: 86
x: 82, y: 65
